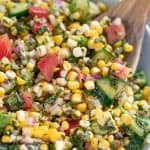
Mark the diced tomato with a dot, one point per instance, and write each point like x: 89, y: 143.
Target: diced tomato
x: 5, y: 46
x: 38, y: 11
x: 115, y: 32
x: 38, y: 26
x: 47, y: 65
x: 72, y: 124
x: 27, y: 99
x: 88, y: 146
x: 122, y: 73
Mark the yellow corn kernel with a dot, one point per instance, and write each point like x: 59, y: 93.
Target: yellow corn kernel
x: 118, y: 44
x: 2, y: 91
x: 44, y: 5
x: 121, y: 56
x: 128, y: 48
x: 102, y: 6
x: 115, y: 66
x: 54, y: 135
x: 95, y: 70
x: 2, y: 77
x: 121, y: 148
x: 98, y: 46
x: 94, y: 142
x: 92, y: 33
x: 58, y: 39
x: 54, y: 49
x: 30, y: 66
x: 5, y: 139
x: 1, y: 15
x: 73, y: 85
x: 85, y: 117
x: 101, y: 64
x: 110, y: 138
x: 38, y: 133
x: 126, y: 119
x: 74, y: 26
x: 44, y: 147
x: 9, y: 4
x: 146, y: 93
x: 65, y: 125
x: 104, y: 144
x: 127, y: 106
x: 82, y: 107
x: 117, y: 112
x: 9, y: 128
x: 109, y: 47
x: 67, y: 65
x: 90, y: 43
x: 20, y: 81
x: 105, y: 71
x: 43, y: 128
x: 85, y: 70
x: 76, y: 98
x: 54, y: 125
x: 60, y: 18
x: 89, y: 85
x: 7, y: 22
x: 142, y: 103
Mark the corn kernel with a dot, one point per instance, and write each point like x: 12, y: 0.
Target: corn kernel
x: 5, y: 139
x: 60, y: 18
x: 85, y: 117
x: 109, y: 47
x: 98, y: 46
x: 73, y: 85
x: 2, y: 91
x: 74, y: 26
x: 118, y: 44
x: 117, y: 112
x: 89, y: 85
x: 38, y: 133
x: 20, y: 81
x: 65, y: 125
x: 58, y: 39
x: 101, y: 64
x: 1, y: 15
x: 121, y: 148
x: 95, y: 70
x: 44, y: 147
x: 104, y: 144
x: 110, y: 138
x: 7, y: 22
x: 105, y: 71
x: 82, y: 107
x: 45, y: 5
x: 30, y: 66
x: 90, y: 43
x: 102, y: 6
x: 128, y: 48
x: 67, y: 65
x: 2, y: 77
x: 126, y: 119
x: 115, y: 66
x: 54, y: 125
x: 72, y: 75
x: 9, y: 128
x: 76, y: 98
x: 121, y: 56
x: 85, y: 70
x: 54, y: 135
x: 127, y: 106
x: 94, y: 142
x: 92, y: 33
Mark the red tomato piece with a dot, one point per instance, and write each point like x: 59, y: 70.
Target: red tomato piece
x: 38, y: 11
x: 47, y: 65
x: 27, y: 99
x: 5, y: 46
x: 122, y: 73
x: 38, y: 26
x: 72, y: 124
x: 88, y: 146
x: 115, y: 32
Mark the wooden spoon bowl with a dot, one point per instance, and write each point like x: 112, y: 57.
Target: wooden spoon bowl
x: 134, y: 14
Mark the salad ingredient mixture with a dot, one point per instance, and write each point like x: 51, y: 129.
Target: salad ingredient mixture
x: 64, y: 83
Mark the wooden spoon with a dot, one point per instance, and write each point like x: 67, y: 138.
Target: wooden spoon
x: 134, y: 14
